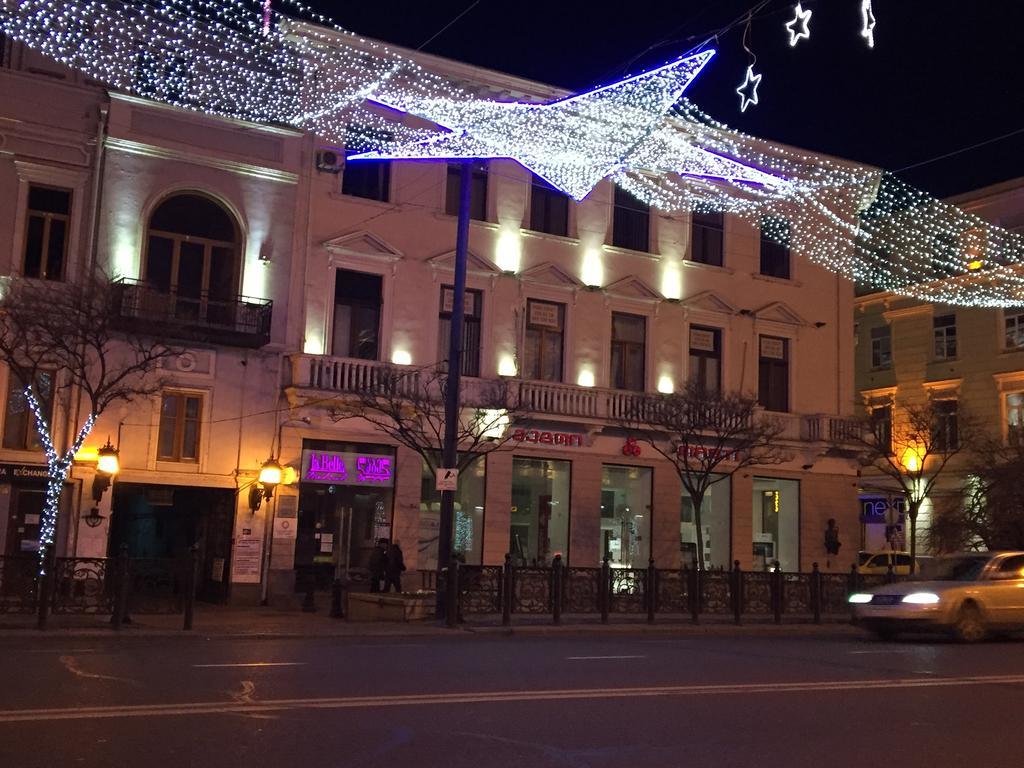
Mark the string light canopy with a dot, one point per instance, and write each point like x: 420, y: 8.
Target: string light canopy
x: 242, y: 59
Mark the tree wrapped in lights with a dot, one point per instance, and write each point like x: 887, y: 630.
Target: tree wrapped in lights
x: 67, y: 338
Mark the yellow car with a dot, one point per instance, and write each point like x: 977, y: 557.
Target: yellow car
x: 878, y: 563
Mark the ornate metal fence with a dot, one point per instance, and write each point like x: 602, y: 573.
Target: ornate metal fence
x: 483, y: 590
x: 83, y: 585
x: 157, y: 585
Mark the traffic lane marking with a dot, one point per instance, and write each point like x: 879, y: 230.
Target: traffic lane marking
x: 253, y: 664
x: 597, y: 658
x: 492, y: 697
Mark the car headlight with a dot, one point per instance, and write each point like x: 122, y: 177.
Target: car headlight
x: 859, y: 597
x: 921, y: 598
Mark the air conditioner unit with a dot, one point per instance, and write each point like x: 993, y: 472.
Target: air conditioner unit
x: 328, y: 161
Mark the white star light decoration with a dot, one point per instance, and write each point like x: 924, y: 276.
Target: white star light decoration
x: 867, y: 27
x: 748, y: 89
x: 572, y: 143
x: 798, y: 28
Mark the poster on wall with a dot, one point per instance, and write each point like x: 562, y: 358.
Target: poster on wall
x: 245, y: 566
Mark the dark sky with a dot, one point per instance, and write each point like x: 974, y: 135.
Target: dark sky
x: 943, y: 75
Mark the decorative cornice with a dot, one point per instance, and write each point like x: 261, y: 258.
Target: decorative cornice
x: 162, y: 153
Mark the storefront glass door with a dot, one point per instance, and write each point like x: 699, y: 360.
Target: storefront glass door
x: 626, y: 515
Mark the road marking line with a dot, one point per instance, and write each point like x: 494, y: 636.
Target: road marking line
x: 253, y: 664
x: 71, y: 665
x: 883, y: 650
x: 490, y: 697
x: 594, y: 658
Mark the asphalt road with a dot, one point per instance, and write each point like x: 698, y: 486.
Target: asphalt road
x: 828, y: 700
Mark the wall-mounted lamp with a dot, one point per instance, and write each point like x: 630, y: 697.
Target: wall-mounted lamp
x: 107, y: 465
x: 269, y: 478
x: 820, y: 324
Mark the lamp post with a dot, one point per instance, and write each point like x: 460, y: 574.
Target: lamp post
x: 107, y: 465
x: 270, y: 476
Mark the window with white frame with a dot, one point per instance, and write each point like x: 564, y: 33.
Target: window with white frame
x: 545, y: 333
x: 629, y: 344
x: 944, y: 332
x: 472, y: 303
x: 1013, y: 326
x: 706, y: 358
x: 180, y: 417
x: 20, y: 431
x: 1015, y: 418
x: 881, y: 347
x: 47, y: 226
x: 881, y: 427
x: 945, y: 429
x: 773, y: 373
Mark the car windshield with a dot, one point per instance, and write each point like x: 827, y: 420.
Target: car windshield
x: 954, y: 568
x: 863, y: 557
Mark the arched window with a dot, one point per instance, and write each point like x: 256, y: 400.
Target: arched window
x: 192, y: 253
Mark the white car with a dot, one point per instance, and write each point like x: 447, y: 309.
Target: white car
x: 969, y: 595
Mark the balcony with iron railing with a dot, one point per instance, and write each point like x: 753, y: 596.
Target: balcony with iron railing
x: 319, y: 374
x: 241, y: 321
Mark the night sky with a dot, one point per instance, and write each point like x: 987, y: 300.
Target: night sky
x: 943, y: 75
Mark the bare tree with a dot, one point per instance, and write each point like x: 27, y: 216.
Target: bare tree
x: 914, y: 448
x: 63, y: 343
x: 990, y: 514
x: 708, y: 436
x: 407, y: 405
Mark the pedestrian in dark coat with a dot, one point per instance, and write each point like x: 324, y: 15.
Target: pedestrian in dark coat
x: 394, y: 565
x: 378, y: 564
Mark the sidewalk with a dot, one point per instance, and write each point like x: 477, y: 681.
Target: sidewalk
x: 272, y: 623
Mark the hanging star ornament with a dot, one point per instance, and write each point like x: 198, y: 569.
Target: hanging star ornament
x: 748, y: 89
x: 799, y: 26
x: 572, y: 143
x: 867, y: 17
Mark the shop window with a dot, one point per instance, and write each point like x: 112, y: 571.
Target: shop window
x: 20, y: 431
x: 1015, y: 418
x: 180, y: 415
x: 706, y: 358
x: 707, y: 238
x: 545, y: 338
x: 881, y: 427
x: 468, y: 529
x: 477, y: 194
x: 368, y: 179
x: 1013, y: 324
x: 775, y: 247
x: 776, y: 535
x: 631, y: 222
x: 549, y: 208
x: 192, y: 254
x: 626, y: 515
x: 470, y: 330
x: 945, y: 431
x: 629, y: 342
x: 715, y: 516
x: 539, y: 527
x: 357, y: 305
x: 944, y: 332
x: 881, y: 347
x: 46, y: 232
x: 773, y: 374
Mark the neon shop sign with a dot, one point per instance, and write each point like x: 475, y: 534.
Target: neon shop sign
x: 339, y: 468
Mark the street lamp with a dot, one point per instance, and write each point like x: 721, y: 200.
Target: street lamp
x: 269, y: 478
x: 107, y: 465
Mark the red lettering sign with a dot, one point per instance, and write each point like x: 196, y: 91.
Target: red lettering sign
x: 703, y: 453
x: 543, y: 437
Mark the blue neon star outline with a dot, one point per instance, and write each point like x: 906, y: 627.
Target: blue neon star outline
x: 586, y: 138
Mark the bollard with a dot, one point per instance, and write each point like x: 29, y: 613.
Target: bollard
x: 694, y: 584
x: 736, y: 591
x: 506, y: 592
x: 120, y: 615
x: 556, y: 589
x: 452, y: 585
x: 852, y: 585
x: 777, y: 597
x: 651, y: 590
x: 309, y: 599
x: 889, y: 576
x: 816, y: 593
x: 604, y: 591
x: 337, y: 600
x: 44, y: 589
x: 190, y: 585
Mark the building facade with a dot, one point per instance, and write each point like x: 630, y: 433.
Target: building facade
x: 969, y: 360
x: 288, y: 277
